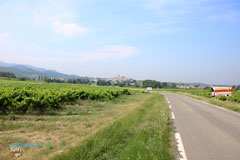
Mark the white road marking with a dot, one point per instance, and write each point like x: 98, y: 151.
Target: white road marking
x: 167, y: 100
x: 170, y: 106
x: 173, y: 117
x: 212, y: 105
x: 180, y: 146
x: 196, y: 100
x: 221, y: 108
x: 204, y: 102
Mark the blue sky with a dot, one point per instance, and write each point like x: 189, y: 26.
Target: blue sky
x: 165, y: 40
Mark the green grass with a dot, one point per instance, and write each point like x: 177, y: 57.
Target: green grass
x: 142, y: 134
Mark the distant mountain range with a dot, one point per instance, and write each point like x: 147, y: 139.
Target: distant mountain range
x: 33, y: 72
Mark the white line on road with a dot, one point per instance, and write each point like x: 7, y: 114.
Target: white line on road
x: 173, y: 117
x: 221, y: 108
x: 180, y: 146
x: 211, y: 104
x: 170, y: 106
x: 167, y: 100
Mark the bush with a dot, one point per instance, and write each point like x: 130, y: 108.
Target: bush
x: 222, y: 98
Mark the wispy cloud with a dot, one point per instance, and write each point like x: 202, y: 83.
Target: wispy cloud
x: 69, y: 29
x: 171, y: 14
x: 174, y: 4
x: 104, y: 53
x: 159, y: 4
x: 225, y: 17
x: 170, y: 7
x: 43, y: 17
x: 107, y: 52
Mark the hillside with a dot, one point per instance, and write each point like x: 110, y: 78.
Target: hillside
x: 32, y: 72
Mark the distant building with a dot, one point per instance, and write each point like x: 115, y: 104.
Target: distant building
x: 180, y: 86
x: 119, y: 79
x: 200, y: 87
x: 183, y: 87
x: 221, y: 91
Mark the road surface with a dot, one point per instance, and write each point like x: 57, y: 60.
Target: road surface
x: 207, y: 132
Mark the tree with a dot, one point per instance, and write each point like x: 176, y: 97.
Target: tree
x: 164, y: 84
x: 151, y: 83
x: 103, y: 83
x: 157, y: 84
x: 22, y: 79
x: 46, y: 79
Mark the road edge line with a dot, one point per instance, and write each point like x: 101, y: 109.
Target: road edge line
x: 180, y: 147
x: 173, y: 117
x: 202, y: 101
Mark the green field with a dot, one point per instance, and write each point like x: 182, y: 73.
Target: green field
x: 33, y: 97
x: 83, y: 122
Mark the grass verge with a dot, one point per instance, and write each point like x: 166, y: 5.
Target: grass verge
x: 142, y: 134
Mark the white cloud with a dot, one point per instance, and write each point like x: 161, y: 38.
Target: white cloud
x: 115, y: 51
x: 69, y: 29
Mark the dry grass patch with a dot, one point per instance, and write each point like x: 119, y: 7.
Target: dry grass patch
x: 65, y: 129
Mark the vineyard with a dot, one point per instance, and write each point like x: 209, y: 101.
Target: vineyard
x: 206, y: 93
x: 30, y: 97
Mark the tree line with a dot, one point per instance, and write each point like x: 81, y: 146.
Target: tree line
x: 7, y: 74
x: 75, y: 81
x: 137, y: 84
x: 157, y: 84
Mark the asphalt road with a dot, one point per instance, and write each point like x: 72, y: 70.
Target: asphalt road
x: 207, y: 132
